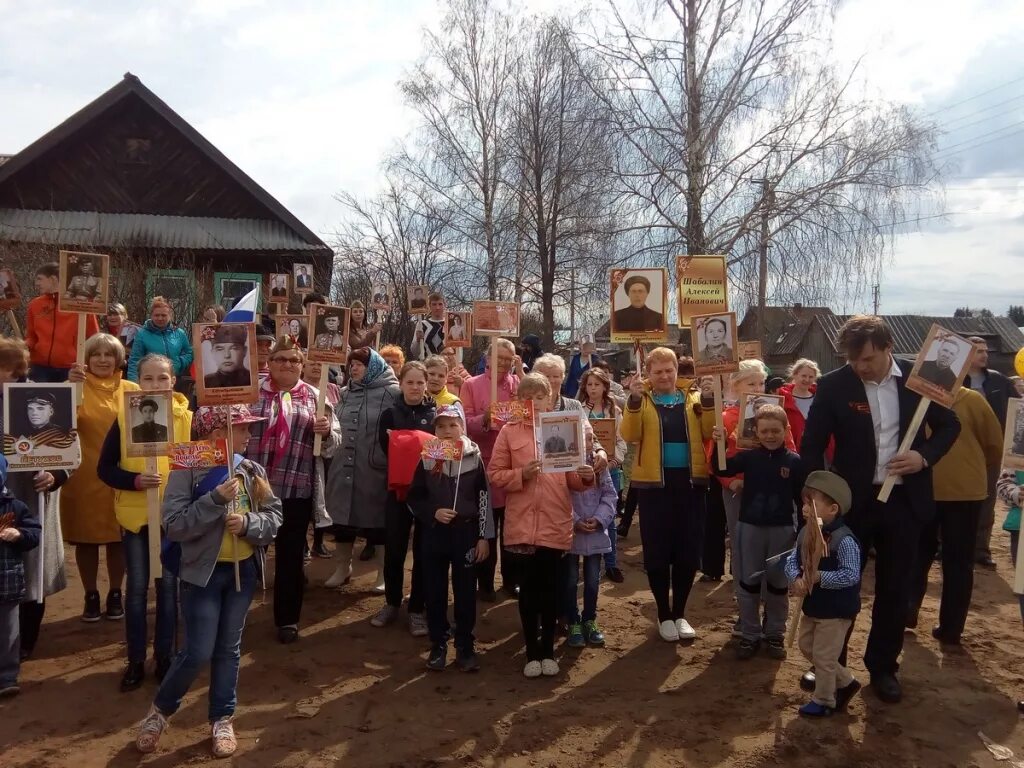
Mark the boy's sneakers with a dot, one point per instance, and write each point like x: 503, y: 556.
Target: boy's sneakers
x: 224, y: 741
x: 669, y: 631
x: 9, y: 691
x: 576, y: 638
x: 467, y: 661
x: 593, y: 635
x: 549, y: 667
x: 686, y: 632
x: 115, y: 605
x: 775, y: 647
x: 418, y: 625
x: 386, y: 615
x: 844, y: 694
x: 747, y: 649
x: 814, y: 709
x: 92, y: 611
x: 152, y: 728
x: 438, y: 658
x: 532, y: 669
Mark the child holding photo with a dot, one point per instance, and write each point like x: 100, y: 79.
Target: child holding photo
x: 538, y: 524
x: 198, y: 514
x: 19, y: 532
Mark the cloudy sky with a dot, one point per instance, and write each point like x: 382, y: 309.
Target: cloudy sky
x: 304, y: 99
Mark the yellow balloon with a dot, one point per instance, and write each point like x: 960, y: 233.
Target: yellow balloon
x: 1018, y: 362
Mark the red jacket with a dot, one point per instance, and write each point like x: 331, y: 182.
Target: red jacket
x: 52, y: 335
x: 797, y: 422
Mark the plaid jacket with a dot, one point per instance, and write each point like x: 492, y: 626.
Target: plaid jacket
x: 14, y: 514
x: 291, y: 475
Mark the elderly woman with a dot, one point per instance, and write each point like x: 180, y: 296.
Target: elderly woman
x: 87, y: 508
x: 671, y: 474
x: 120, y: 327
x: 26, y: 486
x: 284, y: 446
x: 357, y: 482
x: 799, y: 395
x: 159, y: 336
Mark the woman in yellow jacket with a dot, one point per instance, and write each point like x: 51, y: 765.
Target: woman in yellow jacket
x: 130, y: 481
x: 87, y: 504
x: 671, y: 476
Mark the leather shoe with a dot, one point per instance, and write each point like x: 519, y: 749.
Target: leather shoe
x: 944, y: 638
x: 133, y: 676
x: 844, y: 694
x: 887, y: 688
x: 808, y: 681
x: 985, y: 561
x: 286, y: 635
x: 1020, y: 707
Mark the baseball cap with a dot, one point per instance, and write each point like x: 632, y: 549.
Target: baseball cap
x: 833, y: 486
x: 211, y: 417
x: 452, y: 411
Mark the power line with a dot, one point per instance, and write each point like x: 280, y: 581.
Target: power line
x: 975, y: 96
x: 980, y: 136
x: 946, y: 154
x: 980, y: 110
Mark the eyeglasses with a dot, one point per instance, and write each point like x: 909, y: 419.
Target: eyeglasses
x: 286, y: 360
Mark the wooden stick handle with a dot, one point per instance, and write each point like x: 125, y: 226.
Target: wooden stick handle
x: 42, y: 546
x: 795, y: 609
x: 80, y: 356
x: 12, y: 321
x: 494, y: 369
x: 905, y: 445
x: 231, y: 504
x: 716, y: 382
x: 321, y: 406
x: 153, y: 520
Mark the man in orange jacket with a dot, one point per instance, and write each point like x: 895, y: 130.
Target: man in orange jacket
x: 52, y: 335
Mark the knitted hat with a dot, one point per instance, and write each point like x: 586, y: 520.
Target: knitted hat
x: 452, y: 411
x: 211, y: 417
x: 833, y: 486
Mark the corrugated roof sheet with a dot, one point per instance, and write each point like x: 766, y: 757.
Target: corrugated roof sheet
x: 909, y: 331
x: 89, y: 228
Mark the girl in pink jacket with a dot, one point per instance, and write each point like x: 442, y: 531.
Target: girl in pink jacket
x: 538, y: 524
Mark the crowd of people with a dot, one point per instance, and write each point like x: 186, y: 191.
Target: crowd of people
x: 797, y: 514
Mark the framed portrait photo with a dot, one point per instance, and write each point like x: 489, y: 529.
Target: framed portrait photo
x: 1013, y: 439
x: 382, y: 298
x: 639, y: 299
x: 302, y: 278
x: 941, y: 366
x: 714, y: 342
x: 419, y: 303
x: 225, y: 360
x: 149, y: 417
x: 495, y: 318
x: 277, y: 287
x: 84, y: 283
x: 328, y: 334
x: 458, y: 329
x: 10, y: 290
x: 41, y: 423
x: 746, y: 429
x: 560, y: 441
x: 294, y: 326
x: 749, y: 350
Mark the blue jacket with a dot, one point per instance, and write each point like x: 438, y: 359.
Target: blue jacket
x: 597, y: 502
x: 169, y: 341
x: 12, y: 560
x: 571, y: 385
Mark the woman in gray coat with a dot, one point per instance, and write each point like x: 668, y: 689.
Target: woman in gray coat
x: 357, y: 482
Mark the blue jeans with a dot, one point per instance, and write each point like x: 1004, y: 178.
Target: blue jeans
x: 611, y: 559
x: 1014, y: 539
x: 136, y: 560
x: 10, y: 644
x: 591, y: 584
x: 214, y: 619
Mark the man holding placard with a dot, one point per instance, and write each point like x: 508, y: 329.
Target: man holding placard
x: 867, y: 409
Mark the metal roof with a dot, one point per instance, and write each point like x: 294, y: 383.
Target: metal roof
x: 143, y: 230
x: 909, y: 331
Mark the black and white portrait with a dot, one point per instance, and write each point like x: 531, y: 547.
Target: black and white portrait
x: 10, y: 291
x: 638, y: 301
x: 279, y: 287
x: 1013, y: 441
x: 560, y: 441
x: 40, y: 426
x: 941, y: 365
x: 226, y: 363
x: 303, y: 276
x: 150, y: 422
x: 83, y: 282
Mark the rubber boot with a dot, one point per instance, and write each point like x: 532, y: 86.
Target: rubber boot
x: 343, y: 572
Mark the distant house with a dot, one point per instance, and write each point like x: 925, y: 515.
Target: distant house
x: 127, y: 176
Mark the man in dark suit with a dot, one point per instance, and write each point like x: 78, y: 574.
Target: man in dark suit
x: 149, y: 431
x: 302, y: 279
x: 997, y: 390
x: 940, y: 370
x: 637, y: 317
x: 865, y: 407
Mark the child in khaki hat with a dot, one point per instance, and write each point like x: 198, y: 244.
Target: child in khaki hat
x: 833, y: 600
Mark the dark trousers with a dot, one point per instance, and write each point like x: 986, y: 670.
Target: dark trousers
x: 445, y: 547
x: 713, y: 558
x: 986, y: 520
x: 681, y: 581
x: 629, y: 509
x: 44, y: 374
x: 30, y: 618
x: 398, y: 522
x: 289, y: 548
x: 958, y: 522
x: 893, y: 531
x: 485, y: 573
x: 538, y: 600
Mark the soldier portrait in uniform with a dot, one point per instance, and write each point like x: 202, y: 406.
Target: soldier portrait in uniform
x: 83, y: 283
x: 150, y: 423
x: 227, y: 363
x: 229, y: 356
x: 41, y: 426
x: 147, y: 429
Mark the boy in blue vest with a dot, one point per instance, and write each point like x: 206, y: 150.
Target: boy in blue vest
x: 833, y: 600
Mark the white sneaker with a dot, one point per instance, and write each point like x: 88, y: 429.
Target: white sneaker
x: 549, y: 667
x: 150, y: 731
x: 340, y: 576
x: 224, y: 740
x: 686, y: 632
x: 533, y: 669
x: 668, y: 631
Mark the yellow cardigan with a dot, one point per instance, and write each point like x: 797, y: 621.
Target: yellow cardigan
x: 962, y: 474
x: 643, y: 425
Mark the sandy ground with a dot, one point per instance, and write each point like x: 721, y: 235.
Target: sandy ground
x: 348, y: 693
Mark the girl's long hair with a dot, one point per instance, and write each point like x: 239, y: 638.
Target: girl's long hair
x: 261, y: 489
x: 608, y: 405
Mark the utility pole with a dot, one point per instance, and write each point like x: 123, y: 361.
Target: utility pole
x: 874, y: 292
x: 572, y: 306
x: 767, y: 203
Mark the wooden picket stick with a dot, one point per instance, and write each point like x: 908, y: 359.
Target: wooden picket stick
x: 80, y: 356
x: 12, y: 320
x: 815, y: 548
x: 905, y: 445
x: 494, y: 369
x: 1018, y: 582
x: 153, y: 521
x: 716, y: 383
x: 41, y: 500
x: 231, y: 504
x: 321, y: 406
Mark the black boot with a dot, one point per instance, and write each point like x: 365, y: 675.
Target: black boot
x: 133, y: 676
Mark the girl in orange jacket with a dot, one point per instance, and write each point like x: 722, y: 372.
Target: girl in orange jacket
x: 538, y: 524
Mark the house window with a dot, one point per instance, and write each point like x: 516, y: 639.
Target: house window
x: 229, y: 287
x: 178, y: 286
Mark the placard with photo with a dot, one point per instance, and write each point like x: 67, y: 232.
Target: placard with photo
x: 418, y: 299
x: 458, y: 330
x: 702, y: 286
x: 10, y: 290
x: 291, y: 325
x: 382, y: 298
x: 302, y: 278
x: 746, y: 429
x: 1013, y: 440
x: 749, y: 350
x: 560, y: 442
x: 329, y: 326
x: 84, y: 283
x: 150, y: 422
x: 225, y: 359
x: 714, y: 339
x: 277, y: 287
x: 605, y: 432
x: 495, y: 318
x: 941, y: 366
x: 41, y: 422
x: 639, y: 298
